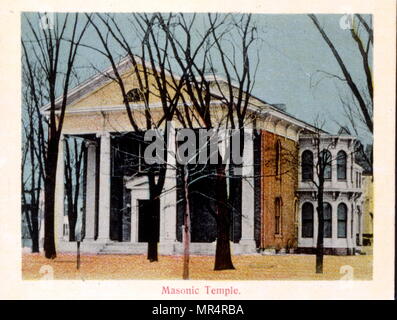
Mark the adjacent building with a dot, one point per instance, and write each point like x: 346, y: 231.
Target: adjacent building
x: 342, y: 194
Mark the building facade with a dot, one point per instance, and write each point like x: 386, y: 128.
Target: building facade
x: 342, y: 194
x: 272, y: 215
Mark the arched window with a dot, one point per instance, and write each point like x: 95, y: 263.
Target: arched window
x: 278, y: 157
x: 326, y: 162
x: 342, y: 220
x: 341, y: 162
x: 307, y: 220
x: 327, y: 212
x: 277, y: 213
x: 307, y: 165
x: 134, y: 95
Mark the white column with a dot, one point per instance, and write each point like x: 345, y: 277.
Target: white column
x: 104, y: 188
x: 139, y: 190
x: 134, y: 219
x: 168, y: 198
x: 248, y: 190
x: 59, y: 191
x: 90, y: 192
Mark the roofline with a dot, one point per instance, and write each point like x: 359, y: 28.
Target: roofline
x: 94, y: 78
x: 329, y: 135
x: 124, y: 61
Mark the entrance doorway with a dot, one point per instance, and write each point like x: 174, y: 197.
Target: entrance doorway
x: 148, y: 220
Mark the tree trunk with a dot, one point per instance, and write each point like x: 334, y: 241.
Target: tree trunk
x: 235, y: 189
x: 49, y: 202
x: 186, y: 229
x: 72, y: 225
x: 78, y: 255
x: 155, y: 190
x: 35, y: 231
x: 223, y: 260
x: 152, y: 253
x: 320, y: 234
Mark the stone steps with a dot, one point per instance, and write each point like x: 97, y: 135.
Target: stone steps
x: 174, y: 248
x: 124, y: 248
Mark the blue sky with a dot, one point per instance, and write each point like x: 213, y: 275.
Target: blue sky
x: 291, y: 53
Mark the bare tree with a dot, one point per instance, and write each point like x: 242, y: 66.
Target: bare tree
x: 33, y: 148
x: 151, y: 62
x: 236, y: 97
x: 202, y: 89
x: 358, y: 105
x: 74, y: 166
x: 52, y: 48
x: 323, y: 163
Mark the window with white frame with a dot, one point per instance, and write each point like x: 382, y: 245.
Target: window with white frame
x: 341, y: 162
x: 307, y: 220
x: 325, y: 162
x: 342, y: 220
x: 327, y: 213
x: 307, y: 165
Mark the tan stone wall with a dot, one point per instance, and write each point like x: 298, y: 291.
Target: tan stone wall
x: 104, y: 121
x: 282, y: 185
x: 110, y: 93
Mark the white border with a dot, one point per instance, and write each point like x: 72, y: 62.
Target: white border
x: 381, y: 287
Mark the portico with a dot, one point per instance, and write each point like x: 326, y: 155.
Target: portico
x: 104, y: 214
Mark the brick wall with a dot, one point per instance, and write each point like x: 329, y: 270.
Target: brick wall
x: 279, y: 171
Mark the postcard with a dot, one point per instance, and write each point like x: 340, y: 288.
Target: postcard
x: 182, y: 152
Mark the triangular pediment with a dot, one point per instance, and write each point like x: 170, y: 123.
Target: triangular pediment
x: 102, y: 90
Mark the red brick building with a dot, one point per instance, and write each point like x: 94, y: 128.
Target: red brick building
x: 279, y: 180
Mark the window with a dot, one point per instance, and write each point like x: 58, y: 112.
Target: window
x: 341, y: 162
x: 342, y: 220
x: 277, y: 208
x: 307, y: 220
x: 307, y: 165
x: 327, y: 212
x: 134, y: 95
x: 278, y: 158
x: 325, y: 162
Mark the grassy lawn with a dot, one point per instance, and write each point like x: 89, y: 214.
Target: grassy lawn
x: 252, y: 267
